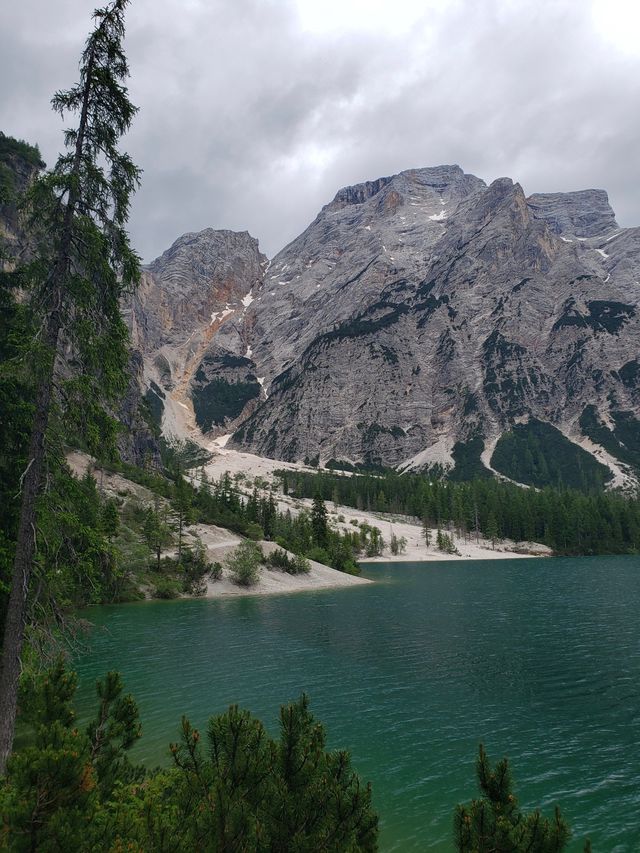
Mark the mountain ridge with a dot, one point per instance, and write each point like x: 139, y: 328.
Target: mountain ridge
x: 417, y: 313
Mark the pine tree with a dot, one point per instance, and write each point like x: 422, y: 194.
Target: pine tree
x: 397, y: 544
x: 492, y: 529
x: 110, y: 518
x: 495, y: 822
x: 83, y: 264
x: 51, y: 798
x: 182, y: 504
x: 243, y: 564
x: 425, y: 531
x: 156, y: 531
x: 319, y: 524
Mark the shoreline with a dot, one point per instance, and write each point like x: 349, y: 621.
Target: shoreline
x: 219, y: 542
x: 276, y: 582
x: 476, y: 552
x: 345, y: 518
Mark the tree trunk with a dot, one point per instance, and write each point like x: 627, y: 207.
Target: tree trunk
x: 26, y: 541
x: 25, y: 550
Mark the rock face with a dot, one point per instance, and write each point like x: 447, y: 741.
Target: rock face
x: 418, y: 314
x: 177, y: 317
x: 584, y: 214
x: 20, y: 164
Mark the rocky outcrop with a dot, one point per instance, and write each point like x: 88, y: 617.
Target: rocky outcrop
x: 584, y: 214
x: 19, y: 165
x: 138, y: 440
x: 189, y: 318
x: 418, y: 315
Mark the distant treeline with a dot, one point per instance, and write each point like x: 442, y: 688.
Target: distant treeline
x: 566, y: 520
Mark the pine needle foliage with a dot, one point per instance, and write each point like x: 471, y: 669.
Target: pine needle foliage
x: 81, y: 264
x: 495, y: 823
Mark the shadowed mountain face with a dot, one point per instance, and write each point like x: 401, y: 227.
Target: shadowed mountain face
x: 416, y: 313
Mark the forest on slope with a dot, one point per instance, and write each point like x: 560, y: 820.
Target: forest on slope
x: 567, y: 520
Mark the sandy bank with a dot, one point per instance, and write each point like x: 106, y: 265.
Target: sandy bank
x: 219, y: 543
x: 251, y: 466
x: 274, y: 582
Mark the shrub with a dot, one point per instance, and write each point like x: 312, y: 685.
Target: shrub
x: 254, y: 531
x: 165, y: 588
x: 444, y: 543
x: 244, y: 563
x: 319, y: 555
x: 292, y: 565
x: 195, y: 567
x: 495, y: 822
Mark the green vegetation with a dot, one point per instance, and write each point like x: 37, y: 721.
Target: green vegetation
x: 569, y: 521
x: 602, y: 316
x: 629, y: 374
x: 622, y: 441
x: 236, y: 789
x: 10, y: 147
x: 343, y: 465
x: 153, y: 401
x: 507, y: 381
x: 538, y: 454
x: 295, y: 565
x: 64, y: 544
x: 81, y: 264
x: 397, y: 544
x: 444, y: 543
x: 220, y: 400
x: 243, y: 564
x: 468, y: 465
x: 495, y: 822
x: 12, y: 152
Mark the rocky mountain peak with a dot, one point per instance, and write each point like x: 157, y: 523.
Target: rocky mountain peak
x: 357, y: 194
x: 443, y: 183
x: 415, y: 320
x: 205, y: 256
x: 204, y: 281
x: 586, y: 213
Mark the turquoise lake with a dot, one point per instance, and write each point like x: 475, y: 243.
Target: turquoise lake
x: 538, y: 659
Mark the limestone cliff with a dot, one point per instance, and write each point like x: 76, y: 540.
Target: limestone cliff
x: 418, y: 315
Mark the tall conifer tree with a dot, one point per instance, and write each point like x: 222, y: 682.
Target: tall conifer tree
x: 83, y: 265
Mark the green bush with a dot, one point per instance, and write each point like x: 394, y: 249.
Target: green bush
x: 254, y: 531
x: 165, y: 588
x: 244, y: 564
x: 319, y: 555
x: 194, y: 567
x: 292, y: 565
x: 496, y: 823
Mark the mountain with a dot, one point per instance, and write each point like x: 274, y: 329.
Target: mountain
x: 178, y: 318
x: 420, y: 318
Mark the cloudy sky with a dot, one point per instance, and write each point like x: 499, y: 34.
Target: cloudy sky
x: 254, y: 112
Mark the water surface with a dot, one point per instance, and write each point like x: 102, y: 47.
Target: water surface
x: 538, y: 659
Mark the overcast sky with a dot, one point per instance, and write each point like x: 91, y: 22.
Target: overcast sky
x: 253, y: 113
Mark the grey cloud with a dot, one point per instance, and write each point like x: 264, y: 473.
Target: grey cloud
x: 247, y: 122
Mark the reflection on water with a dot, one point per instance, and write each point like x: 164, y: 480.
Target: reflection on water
x: 539, y: 659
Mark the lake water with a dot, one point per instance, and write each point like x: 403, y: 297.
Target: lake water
x: 538, y: 659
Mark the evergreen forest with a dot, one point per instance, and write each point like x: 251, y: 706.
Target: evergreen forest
x: 567, y: 520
